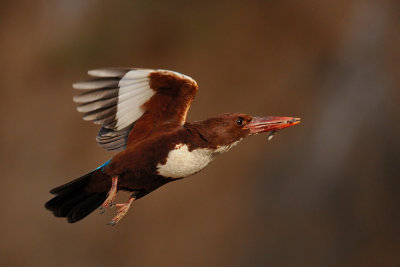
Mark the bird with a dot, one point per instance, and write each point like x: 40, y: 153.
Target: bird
x: 142, y: 114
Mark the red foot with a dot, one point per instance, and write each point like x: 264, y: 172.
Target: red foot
x: 123, y: 209
x: 111, y: 195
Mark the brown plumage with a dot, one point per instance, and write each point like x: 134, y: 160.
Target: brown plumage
x: 143, y: 113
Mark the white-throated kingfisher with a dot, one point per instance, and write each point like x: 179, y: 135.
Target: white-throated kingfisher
x: 142, y: 113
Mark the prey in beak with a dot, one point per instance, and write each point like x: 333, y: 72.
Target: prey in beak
x: 270, y: 124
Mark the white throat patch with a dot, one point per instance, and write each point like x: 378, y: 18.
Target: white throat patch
x: 181, y: 162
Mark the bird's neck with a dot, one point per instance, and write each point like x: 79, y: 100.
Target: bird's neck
x: 207, y: 137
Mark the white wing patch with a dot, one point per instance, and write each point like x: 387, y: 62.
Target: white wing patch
x: 114, y: 99
x: 133, y: 93
x: 123, y: 91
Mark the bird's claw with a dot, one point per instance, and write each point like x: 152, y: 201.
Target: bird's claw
x: 102, y: 210
x: 122, y: 210
x: 112, y: 223
x: 104, y: 207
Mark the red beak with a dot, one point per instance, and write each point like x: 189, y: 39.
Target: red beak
x: 266, y: 124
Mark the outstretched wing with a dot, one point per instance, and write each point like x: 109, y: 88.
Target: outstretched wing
x: 130, y: 103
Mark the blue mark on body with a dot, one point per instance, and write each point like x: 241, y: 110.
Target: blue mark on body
x: 101, y: 167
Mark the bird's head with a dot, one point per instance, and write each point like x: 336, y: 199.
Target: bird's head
x: 230, y: 128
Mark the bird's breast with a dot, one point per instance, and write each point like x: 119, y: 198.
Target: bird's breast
x: 182, y: 162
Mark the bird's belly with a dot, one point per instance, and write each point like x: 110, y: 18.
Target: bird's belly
x: 181, y: 162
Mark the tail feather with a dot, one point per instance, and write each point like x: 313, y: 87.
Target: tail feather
x: 73, y: 202
x: 73, y: 185
x: 63, y: 204
x: 85, y: 207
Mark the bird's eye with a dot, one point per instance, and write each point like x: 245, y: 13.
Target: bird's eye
x: 239, y: 121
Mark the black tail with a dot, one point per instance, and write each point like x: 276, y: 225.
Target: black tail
x: 73, y: 202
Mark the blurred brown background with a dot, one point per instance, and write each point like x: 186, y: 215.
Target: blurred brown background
x: 324, y: 193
